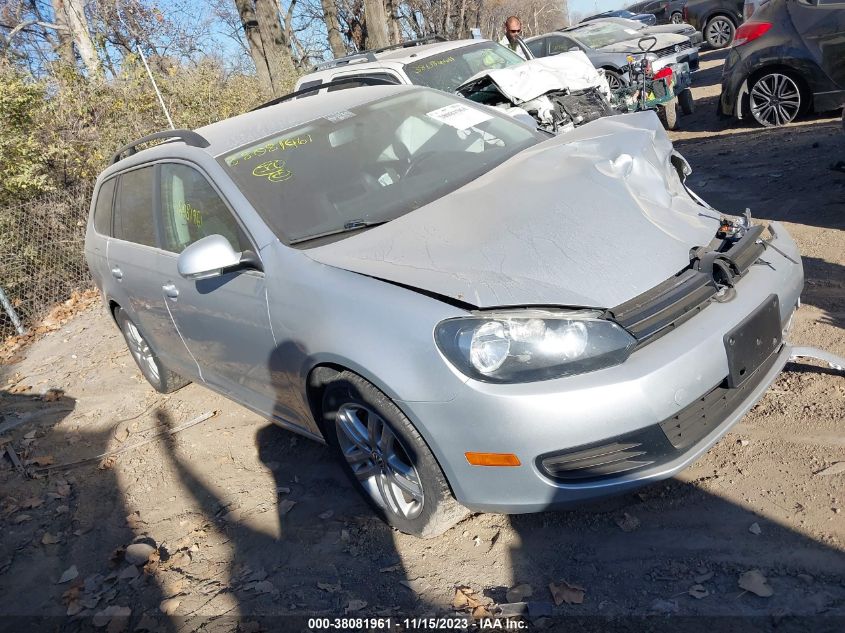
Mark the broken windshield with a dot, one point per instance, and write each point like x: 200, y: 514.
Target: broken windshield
x: 447, y: 71
x: 372, y: 163
x: 603, y: 34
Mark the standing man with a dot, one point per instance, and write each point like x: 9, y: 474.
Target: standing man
x: 513, y: 37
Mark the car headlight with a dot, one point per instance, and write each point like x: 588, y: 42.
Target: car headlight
x: 530, y: 345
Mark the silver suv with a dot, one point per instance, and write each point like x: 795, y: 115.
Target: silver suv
x: 472, y: 313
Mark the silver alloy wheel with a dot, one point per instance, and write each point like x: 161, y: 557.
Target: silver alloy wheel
x: 379, y: 460
x: 140, y: 350
x: 718, y: 32
x: 613, y: 82
x: 775, y: 99
x: 677, y: 18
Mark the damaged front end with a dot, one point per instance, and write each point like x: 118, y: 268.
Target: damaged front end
x: 556, y: 93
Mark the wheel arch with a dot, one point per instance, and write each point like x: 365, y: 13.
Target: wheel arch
x: 322, y: 374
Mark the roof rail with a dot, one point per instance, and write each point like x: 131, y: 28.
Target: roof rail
x: 362, y: 79
x: 370, y: 55
x: 189, y: 137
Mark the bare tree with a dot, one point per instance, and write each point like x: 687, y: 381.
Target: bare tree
x: 376, y: 23
x: 332, y: 22
x: 77, y: 22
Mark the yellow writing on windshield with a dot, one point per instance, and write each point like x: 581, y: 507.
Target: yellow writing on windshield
x: 273, y: 145
x: 273, y: 170
x: 434, y: 63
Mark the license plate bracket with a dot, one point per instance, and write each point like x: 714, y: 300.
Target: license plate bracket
x: 753, y: 341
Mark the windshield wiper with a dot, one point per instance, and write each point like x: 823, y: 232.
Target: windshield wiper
x: 352, y: 225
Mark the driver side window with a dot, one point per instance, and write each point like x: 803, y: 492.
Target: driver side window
x: 192, y: 210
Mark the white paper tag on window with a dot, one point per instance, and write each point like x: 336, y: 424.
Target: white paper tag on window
x: 337, y: 117
x: 459, y: 116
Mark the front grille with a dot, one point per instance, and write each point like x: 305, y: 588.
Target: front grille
x: 653, y: 445
x: 671, y: 50
x: 584, y: 106
x: 698, y: 419
x: 658, y: 311
x: 607, y: 459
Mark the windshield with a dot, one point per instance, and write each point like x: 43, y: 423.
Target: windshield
x: 600, y: 34
x: 372, y: 163
x: 449, y: 70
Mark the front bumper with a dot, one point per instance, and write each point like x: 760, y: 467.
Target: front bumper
x: 658, y: 382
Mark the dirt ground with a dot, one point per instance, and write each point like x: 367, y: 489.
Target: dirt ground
x: 250, y: 521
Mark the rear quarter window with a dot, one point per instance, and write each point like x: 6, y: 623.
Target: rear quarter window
x: 133, y: 211
x: 103, y: 207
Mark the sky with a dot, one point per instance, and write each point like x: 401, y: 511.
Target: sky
x: 591, y: 7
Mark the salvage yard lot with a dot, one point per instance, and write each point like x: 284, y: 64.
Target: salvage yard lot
x: 250, y: 520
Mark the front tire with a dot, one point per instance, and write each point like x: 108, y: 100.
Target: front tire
x: 677, y: 18
x: 614, y: 80
x: 686, y: 101
x: 668, y: 114
x: 719, y: 31
x: 386, y: 458
x: 160, y: 378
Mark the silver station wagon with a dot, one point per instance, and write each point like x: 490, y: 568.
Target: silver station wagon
x: 473, y: 314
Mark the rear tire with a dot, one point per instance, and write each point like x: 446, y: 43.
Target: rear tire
x: 160, y: 377
x: 677, y: 18
x: 386, y: 459
x: 686, y: 101
x: 668, y: 114
x: 719, y: 31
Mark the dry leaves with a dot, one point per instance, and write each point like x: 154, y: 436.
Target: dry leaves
x: 70, y: 573
x: 566, y: 592
x: 49, y: 539
x: 520, y: 592
x: 698, y: 592
x: 467, y: 599
x: 755, y: 582
x: 169, y: 606
x: 43, y: 460
x: 52, y: 395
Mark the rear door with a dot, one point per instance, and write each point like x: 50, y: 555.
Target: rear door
x: 223, y: 321
x: 821, y: 25
x: 133, y: 265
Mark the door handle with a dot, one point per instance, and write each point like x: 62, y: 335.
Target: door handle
x: 117, y: 273
x: 170, y: 291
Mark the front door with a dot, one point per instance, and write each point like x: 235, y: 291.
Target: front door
x: 223, y: 321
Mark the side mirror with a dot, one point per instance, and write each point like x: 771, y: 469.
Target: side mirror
x: 573, y: 49
x: 210, y: 256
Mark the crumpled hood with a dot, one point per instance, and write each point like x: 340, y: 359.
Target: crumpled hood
x: 589, y: 218
x: 630, y: 46
x: 571, y: 71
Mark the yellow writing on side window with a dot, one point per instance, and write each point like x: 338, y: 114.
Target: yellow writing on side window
x: 273, y: 170
x: 434, y: 63
x: 273, y: 145
x: 191, y: 214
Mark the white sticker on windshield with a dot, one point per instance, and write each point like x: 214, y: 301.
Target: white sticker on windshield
x: 337, y: 117
x: 459, y: 116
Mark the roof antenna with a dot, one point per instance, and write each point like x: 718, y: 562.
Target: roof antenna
x: 146, y: 65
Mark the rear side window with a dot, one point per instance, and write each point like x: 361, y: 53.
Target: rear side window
x: 133, y: 212
x: 191, y: 209
x: 103, y: 208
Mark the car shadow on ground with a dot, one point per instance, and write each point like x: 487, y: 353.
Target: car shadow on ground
x: 733, y: 173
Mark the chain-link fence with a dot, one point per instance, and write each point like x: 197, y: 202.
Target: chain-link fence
x: 41, y: 254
